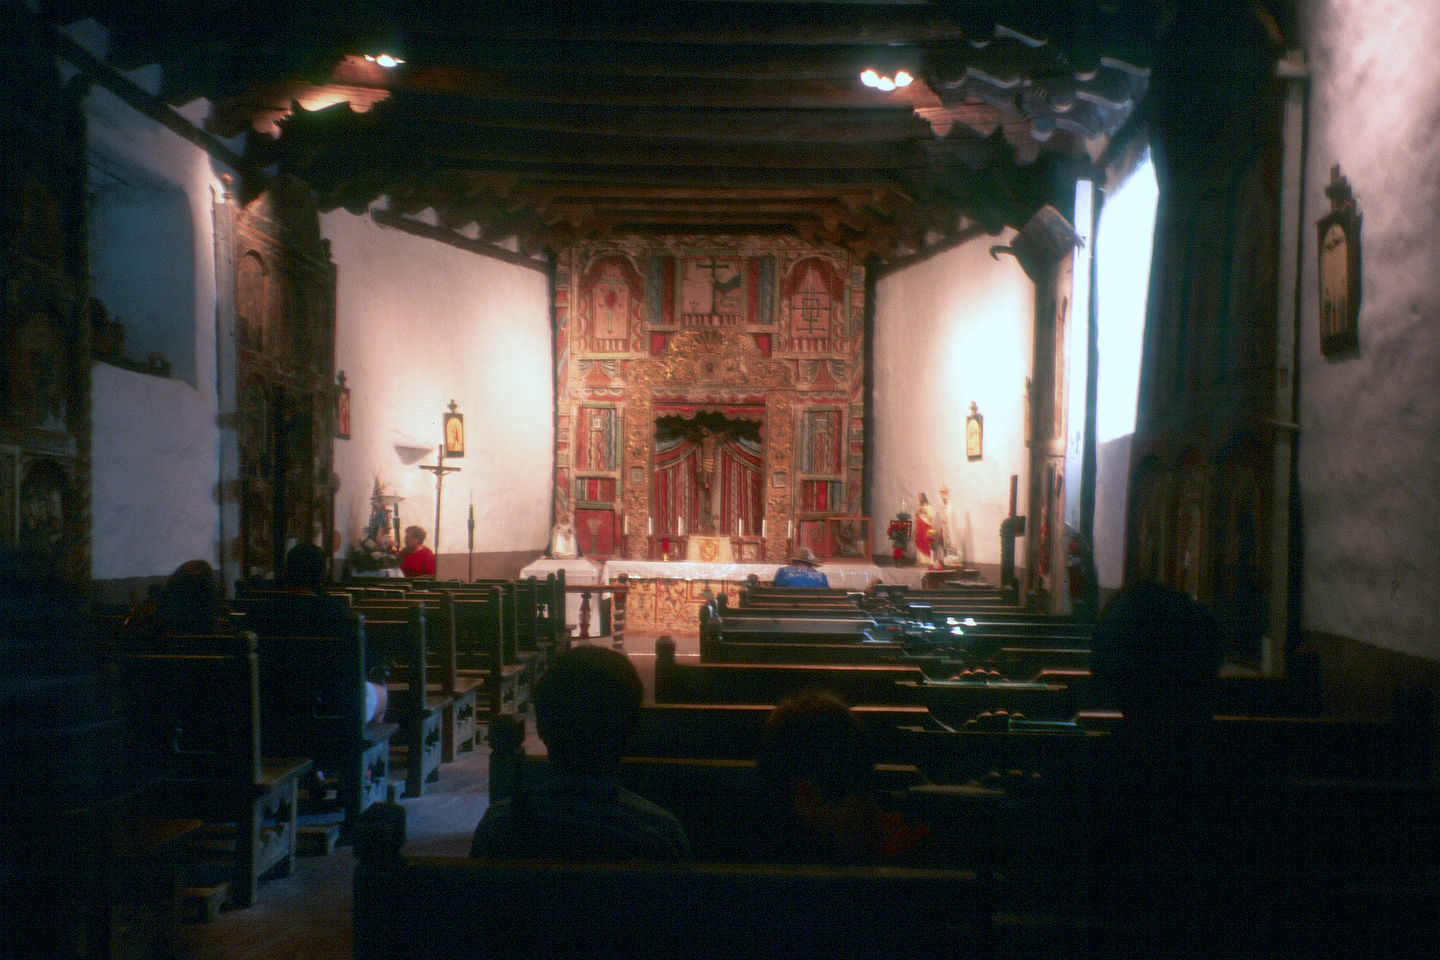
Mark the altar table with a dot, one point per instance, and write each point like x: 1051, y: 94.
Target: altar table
x: 665, y: 596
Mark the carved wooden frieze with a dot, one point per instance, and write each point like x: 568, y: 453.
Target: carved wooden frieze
x: 45, y: 416
x: 285, y: 355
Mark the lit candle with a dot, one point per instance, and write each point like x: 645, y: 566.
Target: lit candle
x: 789, y: 529
x: 681, y: 527
x: 764, y: 525
x: 650, y: 526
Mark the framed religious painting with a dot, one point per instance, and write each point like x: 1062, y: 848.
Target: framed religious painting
x: 974, y: 434
x: 454, y: 432
x: 1338, y: 237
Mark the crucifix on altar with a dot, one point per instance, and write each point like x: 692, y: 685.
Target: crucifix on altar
x: 452, y: 446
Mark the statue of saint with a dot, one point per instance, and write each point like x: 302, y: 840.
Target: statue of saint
x: 954, y: 550
x: 708, y: 460
x: 562, y: 537
x: 924, y: 523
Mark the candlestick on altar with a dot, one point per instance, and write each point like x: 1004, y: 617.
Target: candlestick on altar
x: 439, y: 469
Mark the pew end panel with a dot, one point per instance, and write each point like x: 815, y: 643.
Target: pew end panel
x: 413, y: 704
x: 192, y: 708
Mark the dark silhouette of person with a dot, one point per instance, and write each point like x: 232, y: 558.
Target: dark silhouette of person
x: 188, y: 603
x: 1156, y: 657
x: 586, y: 706
x: 305, y: 567
x: 817, y: 780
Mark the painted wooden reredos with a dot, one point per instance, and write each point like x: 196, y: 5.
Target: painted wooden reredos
x: 707, y: 384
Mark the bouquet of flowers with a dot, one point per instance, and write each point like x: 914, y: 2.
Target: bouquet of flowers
x: 899, y: 534
x: 376, y: 548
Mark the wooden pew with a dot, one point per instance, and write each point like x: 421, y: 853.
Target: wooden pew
x: 482, y: 639
x: 448, y: 908
x: 518, y: 610
x: 960, y: 702
x: 877, y: 683
x: 419, y: 709
x: 539, y: 613
x: 769, y: 683
x: 192, y: 708
x: 457, y: 729
x: 756, y: 591
x: 312, y: 704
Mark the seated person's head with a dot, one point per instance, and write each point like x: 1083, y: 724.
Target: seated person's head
x: 305, y: 567
x: 817, y: 773
x: 190, y: 600
x: 414, y: 536
x: 1156, y: 654
x: 586, y: 706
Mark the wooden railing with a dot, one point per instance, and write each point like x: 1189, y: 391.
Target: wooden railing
x: 618, y: 592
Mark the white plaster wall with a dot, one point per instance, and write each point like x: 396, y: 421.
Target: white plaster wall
x: 953, y: 328
x: 419, y: 323
x: 1369, y: 449
x: 1112, y: 475
x: 155, y: 441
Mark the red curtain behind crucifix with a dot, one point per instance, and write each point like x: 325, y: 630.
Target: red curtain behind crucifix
x: 734, y: 467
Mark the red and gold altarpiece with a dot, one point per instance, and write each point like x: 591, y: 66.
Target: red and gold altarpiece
x: 707, y: 385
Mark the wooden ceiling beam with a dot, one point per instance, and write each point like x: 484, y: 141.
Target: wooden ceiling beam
x: 774, y: 63
x: 601, y: 152
x: 853, y: 198
x: 826, y: 125
x: 661, y: 92
x: 685, y: 21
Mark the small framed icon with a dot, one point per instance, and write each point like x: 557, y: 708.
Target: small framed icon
x: 454, y: 433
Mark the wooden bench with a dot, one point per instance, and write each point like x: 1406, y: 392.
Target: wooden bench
x: 770, y: 682
x: 864, y: 683
x: 418, y: 708
x: 192, y: 709
x: 457, y: 727
x: 485, y: 652
x: 448, y: 908
x: 312, y: 704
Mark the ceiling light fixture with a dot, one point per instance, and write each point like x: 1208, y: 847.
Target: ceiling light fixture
x: 872, y: 78
x: 385, y: 60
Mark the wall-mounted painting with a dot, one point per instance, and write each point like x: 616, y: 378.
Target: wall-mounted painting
x: 974, y: 434
x: 1338, y: 235
x: 454, y: 432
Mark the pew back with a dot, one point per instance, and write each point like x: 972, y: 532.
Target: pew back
x: 448, y: 908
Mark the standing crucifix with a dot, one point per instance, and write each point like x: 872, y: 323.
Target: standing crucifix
x: 439, y: 469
